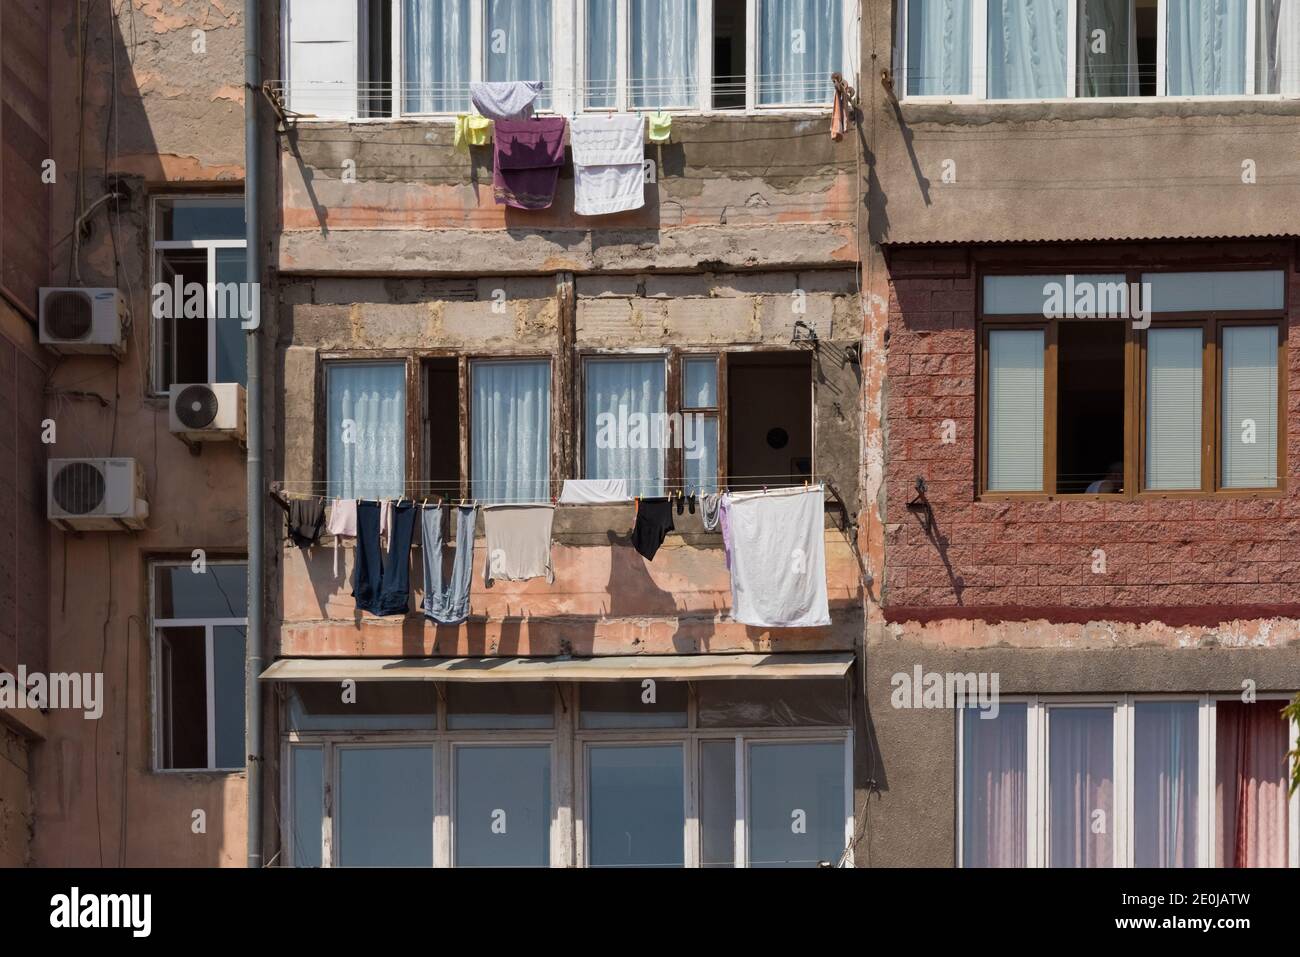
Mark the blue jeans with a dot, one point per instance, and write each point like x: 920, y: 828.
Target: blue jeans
x: 449, y: 606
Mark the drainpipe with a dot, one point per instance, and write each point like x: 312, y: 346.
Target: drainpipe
x: 256, y: 491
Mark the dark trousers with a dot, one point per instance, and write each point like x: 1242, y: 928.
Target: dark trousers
x: 383, y: 587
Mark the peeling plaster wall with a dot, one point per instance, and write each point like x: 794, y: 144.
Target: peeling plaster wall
x: 17, y: 810
x: 176, y: 119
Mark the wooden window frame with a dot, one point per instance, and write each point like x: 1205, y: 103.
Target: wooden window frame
x: 1211, y: 322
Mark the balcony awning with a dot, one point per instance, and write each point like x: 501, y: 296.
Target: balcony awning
x: 613, y: 668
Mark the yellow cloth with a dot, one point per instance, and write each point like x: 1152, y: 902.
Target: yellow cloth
x: 661, y: 125
x: 472, y: 130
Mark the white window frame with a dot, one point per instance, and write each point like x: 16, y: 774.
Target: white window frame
x: 569, y: 792
x: 1038, y: 715
x: 159, y: 246
x: 979, y: 63
x: 567, y: 86
x: 157, y: 678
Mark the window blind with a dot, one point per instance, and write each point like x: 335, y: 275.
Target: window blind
x: 1249, y: 407
x: 1173, y: 413
x: 1015, y: 410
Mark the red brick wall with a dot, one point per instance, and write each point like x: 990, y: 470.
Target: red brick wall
x: 1039, y: 555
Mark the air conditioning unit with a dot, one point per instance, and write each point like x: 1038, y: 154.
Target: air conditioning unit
x: 203, y: 412
x: 83, y: 320
x: 96, y: 494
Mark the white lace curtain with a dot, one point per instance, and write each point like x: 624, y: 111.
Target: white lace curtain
x: 365, y: 451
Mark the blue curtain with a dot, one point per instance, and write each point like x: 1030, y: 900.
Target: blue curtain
x: 621, y: 436
x: 1026, y: 52
x: 517, y: 42
x: 602, y: 53
x: 1206, y: 48
x: 510, y: 445
x: 938, y: 47
x: 663, y: 71
x: 366, y: 424
x: 435, y: 56
x: 799, y: 45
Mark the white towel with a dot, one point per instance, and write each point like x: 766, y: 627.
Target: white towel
x: 594, y: 491
x: 518, y: 542
x: 608, y: 163
x: 505, y: 101
x: 778, y: 558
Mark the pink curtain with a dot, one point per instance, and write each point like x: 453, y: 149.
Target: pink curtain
x: 1081, y: 812
x: 1164, y: 787
x: 994, y: 785
x: 1250, y: 792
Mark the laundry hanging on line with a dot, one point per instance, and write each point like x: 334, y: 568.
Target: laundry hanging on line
x: 518, y: 542
x: 654, y: 520
x: 594, y: 491
x: 381, y: 581
x: 305, y: 518
x: 448, y: 604
x: 511, y: 100
x: 608, y: 163
x: 778, y: 558
x: 472, y: 130
x: 342, y: 524
x: 527, y: 156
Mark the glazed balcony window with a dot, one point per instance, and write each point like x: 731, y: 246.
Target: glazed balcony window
x: 371, y: 59
x: 1058, y: 49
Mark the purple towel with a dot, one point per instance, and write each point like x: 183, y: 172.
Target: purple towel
x: 527, y: 156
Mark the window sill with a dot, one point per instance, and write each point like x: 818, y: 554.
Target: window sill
x: 449, y: 119
x: 1225, y: 493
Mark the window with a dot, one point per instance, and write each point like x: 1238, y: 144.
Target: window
x: 1053, y: 49
x: 344, y: 59
x: 660, y: 421
x: 1145, y: 781
x: 1113, y: 384
x: 365, y: 426
x: 510, y: 442
x: 373, y: 780
x: 200, y: 296
x: 199, y: 624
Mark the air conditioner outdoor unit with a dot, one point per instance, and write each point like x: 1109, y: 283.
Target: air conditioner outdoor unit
x: 77, y: 320
x: 203, y: 412
x: 96, y: 494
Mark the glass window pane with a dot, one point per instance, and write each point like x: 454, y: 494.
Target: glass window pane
x: 626, y: 422
x: 1206, y: 48
x: 185, y: 356
x: 938, y: 47
x: 772, y: 704
x: 796, y: 804
x: 507, y: 705
x: 1249, y: 407
x: 1015, y: 410
x: 663, y: 71
x: 220, y: 591
x: 1165, y: 783
x: 385, y: 807
x: 700, y: 382
x: 234, y: 305
x: 800, y: 43
x: 633, y: 704
x: 1278, y: 46
x: 1252, y: 823
x: 1173, y: 410
x: 994, y: 786
x: 308, y: 782
x: 1063, y: 296
x: 365, y: 706
x: 718, y: 803
x: 1026, y: 49
x: 366, y: 429
x: 228, y: 694
x: 518, y: 43
x: 699, y: 453
x: 511, y: 431
x: 636, y: 806
x: 1216, y: 291
x: 1108, y: 48
x: 193, y: 220
x: 436, y: 55
x: 1080, y: 787
x: 602, y: 54
x: 183, y: 697
x: 502, y: 813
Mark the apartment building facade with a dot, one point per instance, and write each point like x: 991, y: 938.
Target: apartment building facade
x: 1101, y: 527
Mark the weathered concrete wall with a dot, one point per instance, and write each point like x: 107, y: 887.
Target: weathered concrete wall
x: 732, y: 192
x: 17, y: 811
x: 1080, y: 170
x: 176, y: 117
x: 913, y: 809
x: 1215, y: 552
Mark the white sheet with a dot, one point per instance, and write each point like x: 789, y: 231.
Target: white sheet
x: 594, y: 491
x: 608, y: 163
x: 778, y: 558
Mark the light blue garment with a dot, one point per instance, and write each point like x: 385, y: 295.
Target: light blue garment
x: 450, y: 605
x: 800, y: 44
x: 435, y: 56
x: 1026, y: 52
x: 1206, y: 48
x: 938, y: 47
